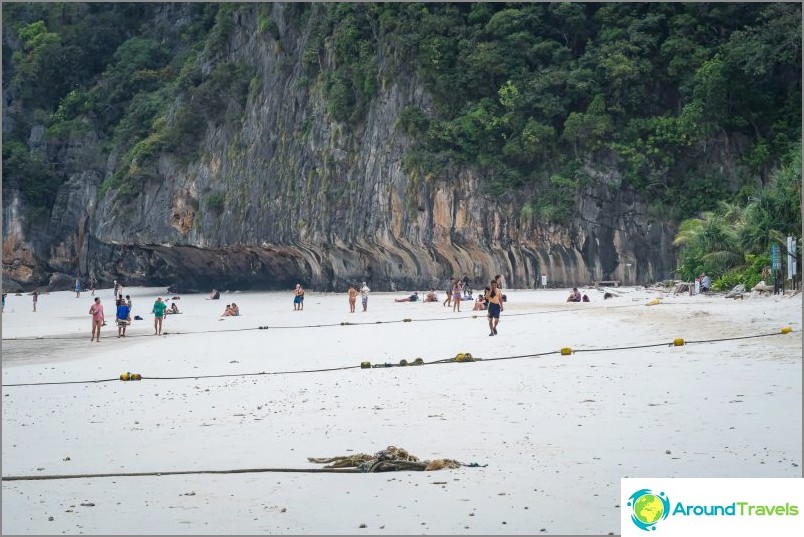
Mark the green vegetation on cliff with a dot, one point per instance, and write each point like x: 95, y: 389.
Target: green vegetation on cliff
x: 732, y: 242
x: 527, y: 95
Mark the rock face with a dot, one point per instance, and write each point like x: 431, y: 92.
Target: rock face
x: 286, y: 196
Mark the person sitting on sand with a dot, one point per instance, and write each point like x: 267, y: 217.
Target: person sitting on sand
x: 214, y: 295
x: 430, y: 296
x: 235, y: 310
x: 585, y: 298
x: 412, y: 298
x: 480, y: 303
x: 173, y: 309
x: 706, y: 282
x: 575, y: 295
x: 228, y: 311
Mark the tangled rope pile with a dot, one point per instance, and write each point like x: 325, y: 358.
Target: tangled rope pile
x: 390, y: 459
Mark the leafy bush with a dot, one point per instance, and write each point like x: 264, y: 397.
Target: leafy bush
x: 216, y: 202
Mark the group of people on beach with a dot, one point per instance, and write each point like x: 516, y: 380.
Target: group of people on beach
x: 123, y: 308
x: 575, y: 296
x: 490, y: 300
x: 352, y: 295
x: 232, y: 310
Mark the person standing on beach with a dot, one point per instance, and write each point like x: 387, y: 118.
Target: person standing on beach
x: 159, y: 314
x: 352, y: 298
x: 364, y: 291
x: 78, y: 288
x: 457, y: 291
x: 97, y: 319
x: 35, y: 296
x: 92, y: 284
x: 298, y: 298
x: 123, y: 317
x: 495, y: 302
x: 115, y: 289
x: 450, y: 286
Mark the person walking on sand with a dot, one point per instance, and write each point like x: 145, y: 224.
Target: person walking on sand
x: 364, y: 291
x: 96, y: 310
x: 123, y: 317
x: 92, y: 284
x: 298, y: 298
x: 495, y: 302
x: 159, y: 314
x: 35, y: 296
x: 352, y: 298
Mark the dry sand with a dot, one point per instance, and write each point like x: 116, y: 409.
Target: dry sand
x: 557, y: 432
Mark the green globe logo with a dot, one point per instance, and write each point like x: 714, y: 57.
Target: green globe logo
x: 648, y: 508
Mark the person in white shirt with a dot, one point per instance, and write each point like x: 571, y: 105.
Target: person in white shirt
x: 364, y: 291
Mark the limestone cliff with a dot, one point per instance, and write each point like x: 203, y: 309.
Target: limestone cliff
x: 284, y: 195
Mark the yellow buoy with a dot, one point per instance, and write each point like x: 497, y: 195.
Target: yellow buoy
x: 786, y: 330
x: 125, y: 376
x: 403, y: 363
x: 678, y: 342
x: 365, y: 365
x: 418, y: 361
x: 566, y: 351
x: 464, y: 357
x: 406, y: 320
x: 136, y: 376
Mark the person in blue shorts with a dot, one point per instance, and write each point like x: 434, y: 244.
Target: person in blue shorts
x: 298, y: 298
x: 122, y: 317
x: 495, y: 304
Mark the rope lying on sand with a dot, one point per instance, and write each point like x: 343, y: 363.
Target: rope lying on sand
x: 390, y: 459
x: 188, y: 472
x: 459, y: 358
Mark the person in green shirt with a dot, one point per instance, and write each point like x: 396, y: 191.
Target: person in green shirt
x: 159, y: 314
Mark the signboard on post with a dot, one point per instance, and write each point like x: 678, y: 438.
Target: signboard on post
x: 791, y: 258
x: 776, y: 262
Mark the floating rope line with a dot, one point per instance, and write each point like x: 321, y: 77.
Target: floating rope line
x: 459, y: 358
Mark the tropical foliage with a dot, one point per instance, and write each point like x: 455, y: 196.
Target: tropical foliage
x: 732, y: 243
x: 525, y: 94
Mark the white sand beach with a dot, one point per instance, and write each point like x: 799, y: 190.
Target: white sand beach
x: 557, y: 432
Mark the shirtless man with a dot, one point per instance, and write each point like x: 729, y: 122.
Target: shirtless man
x: 97, y: 319
x: 298, y: 298
x: 495, y: 302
